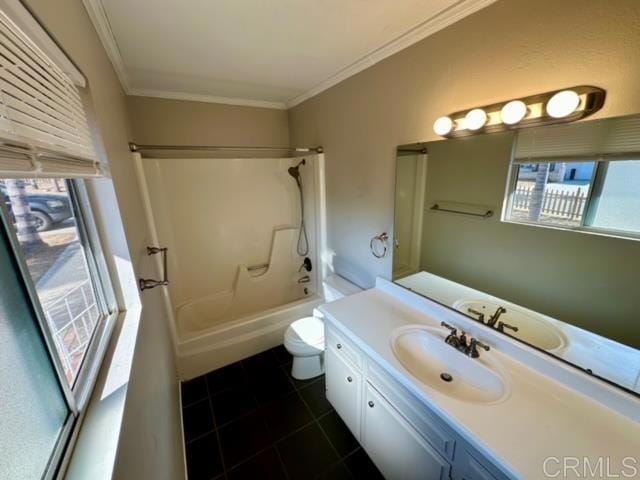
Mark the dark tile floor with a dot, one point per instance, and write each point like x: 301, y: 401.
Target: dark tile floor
x: 252, y: 420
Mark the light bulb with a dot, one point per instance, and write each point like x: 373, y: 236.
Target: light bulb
x: 563, y: 103
x: 443, y: 126
x: 513, y: 112
x: 475, y: 119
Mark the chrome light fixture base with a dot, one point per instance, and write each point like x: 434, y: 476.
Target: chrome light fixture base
x: 591, y: 100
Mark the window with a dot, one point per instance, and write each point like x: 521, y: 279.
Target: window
x: 59, y: 262
x: 70, y: 309
x: 616, y: 198
x: 600, y: 196
x: 34, y: 409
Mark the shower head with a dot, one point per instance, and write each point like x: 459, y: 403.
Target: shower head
x: 295, y: 171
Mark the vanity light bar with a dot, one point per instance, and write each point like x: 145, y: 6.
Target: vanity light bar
x: 559, y: 106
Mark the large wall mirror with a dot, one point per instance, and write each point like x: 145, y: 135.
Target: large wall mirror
x: 534, y: 233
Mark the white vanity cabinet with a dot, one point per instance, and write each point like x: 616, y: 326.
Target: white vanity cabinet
x: 401, y: 435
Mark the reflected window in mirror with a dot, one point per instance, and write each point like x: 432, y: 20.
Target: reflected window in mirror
x: 598, y: 196
x: 551, y: 193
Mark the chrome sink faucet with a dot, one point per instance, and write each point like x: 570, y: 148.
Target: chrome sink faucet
x: 494, y: 318
x: 460, y: 342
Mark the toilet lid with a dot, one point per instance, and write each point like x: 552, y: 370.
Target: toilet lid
x: 307, y: 330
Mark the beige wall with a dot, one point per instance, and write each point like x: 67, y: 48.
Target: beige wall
x: 150, y: 442
x: 512, y: 48
x: 590, y: 281
x: 177, y: 122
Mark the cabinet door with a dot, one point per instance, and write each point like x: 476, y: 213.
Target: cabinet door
x: 344, y: 389
x: 394, y: 446
x: 471, y: 466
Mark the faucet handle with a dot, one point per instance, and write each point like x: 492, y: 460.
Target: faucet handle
x: 473, y: 347
x: 502, y: 326
x: 453, y: 330
x: 480, y: 315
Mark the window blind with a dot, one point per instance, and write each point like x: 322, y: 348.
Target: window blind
x: 608, y: 139
x: 43, y: 123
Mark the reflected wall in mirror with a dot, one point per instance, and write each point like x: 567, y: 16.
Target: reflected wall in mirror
x: 534, y: 233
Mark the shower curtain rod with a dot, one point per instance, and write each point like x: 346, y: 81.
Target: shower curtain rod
x: 134, y: 147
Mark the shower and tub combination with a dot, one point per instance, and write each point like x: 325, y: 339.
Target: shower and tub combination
x: 245, y: 237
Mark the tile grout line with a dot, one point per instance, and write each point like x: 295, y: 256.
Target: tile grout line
x: 284, y: 368
x: 224, y: 425
x: 273, y: 443
x: 316, y: 420
x: 213, y: 415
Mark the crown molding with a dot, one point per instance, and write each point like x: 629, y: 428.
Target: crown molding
x: 196, y: 97
x: 430, y: 26
x: 439, y: 21
x: 100, y: 21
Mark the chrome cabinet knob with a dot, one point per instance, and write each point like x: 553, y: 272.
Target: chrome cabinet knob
x: 339, y: 346
x: 371, y: 404
x: 349, y: 379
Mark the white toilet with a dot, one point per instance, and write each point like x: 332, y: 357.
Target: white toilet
x: 304, y: 339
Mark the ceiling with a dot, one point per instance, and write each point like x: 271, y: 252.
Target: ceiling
x: 273, y: 53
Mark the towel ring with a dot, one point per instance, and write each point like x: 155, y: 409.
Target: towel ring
x: 381, y: 239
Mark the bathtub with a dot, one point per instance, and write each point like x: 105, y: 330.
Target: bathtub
x: 204, y: 349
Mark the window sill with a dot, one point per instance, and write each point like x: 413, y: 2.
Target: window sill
x: 588, y: 230
x: 95, y: 443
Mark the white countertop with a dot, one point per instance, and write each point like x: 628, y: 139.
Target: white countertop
x: 541, y: 417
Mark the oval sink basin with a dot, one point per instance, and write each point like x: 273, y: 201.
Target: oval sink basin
x: 423, y: 352
x: 532, y: 329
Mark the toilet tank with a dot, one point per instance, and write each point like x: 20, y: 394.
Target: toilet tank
x: 336, y: 287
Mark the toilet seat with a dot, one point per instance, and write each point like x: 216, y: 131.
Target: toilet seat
x: 306, y: 332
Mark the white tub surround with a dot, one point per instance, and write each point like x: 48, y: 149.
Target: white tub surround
x: 232, y: 226
x: 551, y: 410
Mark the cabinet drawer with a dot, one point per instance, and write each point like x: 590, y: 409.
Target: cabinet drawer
x: 441, y: 437
x: 344, y: 347
x: 344, y: 389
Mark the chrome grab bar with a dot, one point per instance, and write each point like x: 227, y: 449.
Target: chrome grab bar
x: 149, y: 283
